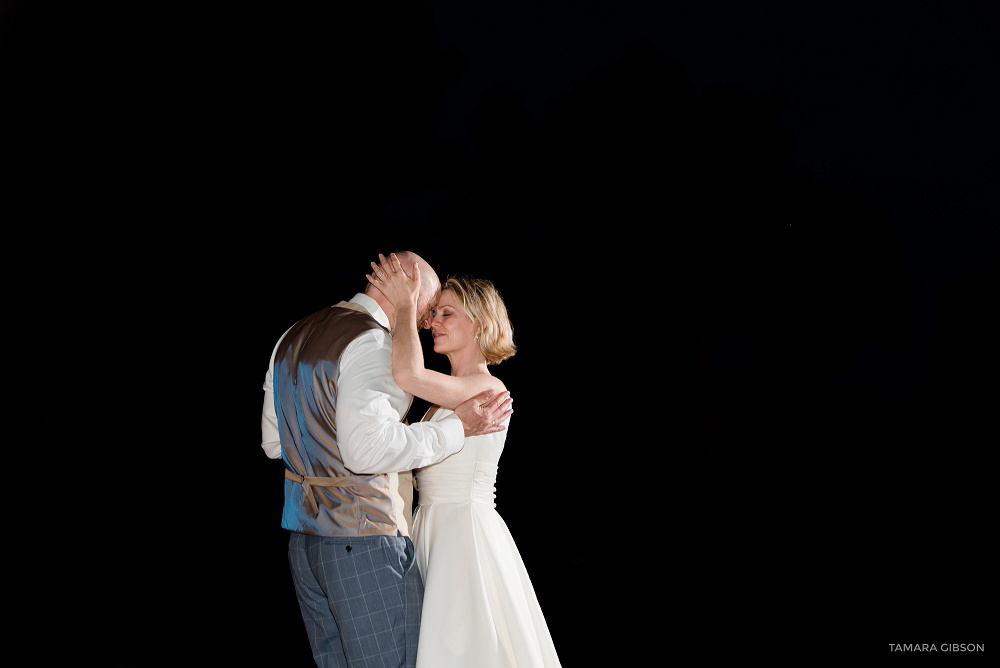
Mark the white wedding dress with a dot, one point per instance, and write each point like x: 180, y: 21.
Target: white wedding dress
x: 480, y: 609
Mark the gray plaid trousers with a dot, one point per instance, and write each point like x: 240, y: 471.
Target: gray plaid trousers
x: 360, y: 599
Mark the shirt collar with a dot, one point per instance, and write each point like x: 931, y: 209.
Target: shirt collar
x: 372, y: 307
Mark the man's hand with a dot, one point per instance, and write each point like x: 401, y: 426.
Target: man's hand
x: 484, y: 413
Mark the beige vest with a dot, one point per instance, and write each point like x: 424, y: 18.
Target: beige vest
x: 322, y: 497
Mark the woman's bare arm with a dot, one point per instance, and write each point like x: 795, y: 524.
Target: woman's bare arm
x: 410, y: 374
x: 408, y: 368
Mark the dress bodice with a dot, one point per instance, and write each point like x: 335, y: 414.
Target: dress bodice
x: 469, y: 475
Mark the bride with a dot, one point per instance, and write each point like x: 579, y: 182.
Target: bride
x: 479, y: 608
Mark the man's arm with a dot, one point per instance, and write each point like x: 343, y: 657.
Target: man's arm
x: 269, y: 439
x: 369, y: 432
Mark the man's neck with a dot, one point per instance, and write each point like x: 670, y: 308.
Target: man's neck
x: 387, y: 308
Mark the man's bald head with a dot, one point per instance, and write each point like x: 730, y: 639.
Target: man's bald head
x: 430, y: 283
x: 430, y: 286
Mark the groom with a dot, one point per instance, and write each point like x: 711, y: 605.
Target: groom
x: 334, y: 414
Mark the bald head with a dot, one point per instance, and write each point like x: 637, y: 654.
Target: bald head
x: 430, y: 287
x: 430, y: 284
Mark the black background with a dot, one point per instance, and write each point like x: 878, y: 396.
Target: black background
x: 749, y: 255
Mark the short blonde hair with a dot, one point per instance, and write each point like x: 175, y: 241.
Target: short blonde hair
x: 483, y: 303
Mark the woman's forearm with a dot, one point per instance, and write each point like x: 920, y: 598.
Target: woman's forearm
x: 407, y: 355
x: 410, y: 374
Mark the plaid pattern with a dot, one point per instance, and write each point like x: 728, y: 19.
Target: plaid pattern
x: 360, y: 599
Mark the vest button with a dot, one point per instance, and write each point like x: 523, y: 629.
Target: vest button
x: 348, y: 548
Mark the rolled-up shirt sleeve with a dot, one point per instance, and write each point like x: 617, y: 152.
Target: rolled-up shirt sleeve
x: 370, y: 405
x: 269, y: 439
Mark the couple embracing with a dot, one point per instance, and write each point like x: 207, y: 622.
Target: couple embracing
x: 456, y: 593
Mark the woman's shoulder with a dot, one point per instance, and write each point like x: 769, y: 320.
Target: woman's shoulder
x: 491, y: 382
x: 480, y: 382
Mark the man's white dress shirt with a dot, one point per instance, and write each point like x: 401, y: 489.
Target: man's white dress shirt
x: 370, y: 405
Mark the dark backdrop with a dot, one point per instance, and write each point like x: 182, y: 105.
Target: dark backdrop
x: 750, y: 417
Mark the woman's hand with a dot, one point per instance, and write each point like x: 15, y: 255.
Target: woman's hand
x: 390, y: 279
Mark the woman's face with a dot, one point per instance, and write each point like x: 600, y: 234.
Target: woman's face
x: 451, y: 326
